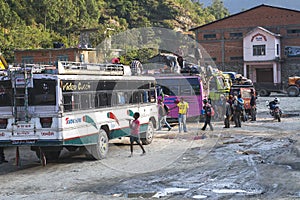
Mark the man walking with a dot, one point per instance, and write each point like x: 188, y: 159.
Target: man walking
x: 163, y: 112
x: 208, y: 111
x: 182, y: 114
x: 253, y: 106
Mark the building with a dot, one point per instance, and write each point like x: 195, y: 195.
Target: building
x: 52, y: 55
x: 261, y: 43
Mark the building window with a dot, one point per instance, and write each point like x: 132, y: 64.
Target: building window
x: 62, y: 58
x: 236, y: 58
x: 259, y: 50
x: 27, y: 59
x: 209, y: 36
x: 236, y: 35
x: 293, y: 31
x: 277, y: 49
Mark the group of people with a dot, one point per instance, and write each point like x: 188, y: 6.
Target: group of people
x: 235, y: 111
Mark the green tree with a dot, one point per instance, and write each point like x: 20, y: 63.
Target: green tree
x: 218, y: 10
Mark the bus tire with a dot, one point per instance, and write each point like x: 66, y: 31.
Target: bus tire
x: 293, y: 91
x: 264, y: 93
x: 147, y: 137
x: 99, y: 151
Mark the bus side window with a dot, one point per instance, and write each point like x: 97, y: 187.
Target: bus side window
x: 126, y: 96
x: 134, y: 97
x: 141, y: 97
x: 76, y: 102
x: 102, y: 98
x: 109, y: 99
x: 92, y: 100
x: 67, y: 102
x: 96, y: 100
x: 145, y: 97
x: 152, y: 98
x: 84, y: 101
x: 121, y: 98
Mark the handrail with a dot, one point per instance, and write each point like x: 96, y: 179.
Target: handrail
x: 65, y: 67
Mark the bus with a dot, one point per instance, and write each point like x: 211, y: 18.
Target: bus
x: 172, y: 87
x: 74, y: 106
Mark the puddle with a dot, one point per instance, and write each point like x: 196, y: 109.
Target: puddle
x: 228, y: 191
x: 295, y: 165
x: 168, y: 191
x: 137, y: 195
x: 199, y: 197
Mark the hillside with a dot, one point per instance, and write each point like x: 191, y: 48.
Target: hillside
x: 37, y: 24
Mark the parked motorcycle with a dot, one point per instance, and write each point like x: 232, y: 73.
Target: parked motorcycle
x: 274, y: 109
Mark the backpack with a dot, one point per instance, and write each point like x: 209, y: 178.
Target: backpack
x: 239, y: 107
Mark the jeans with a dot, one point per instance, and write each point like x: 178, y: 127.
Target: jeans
x: 182, y: 122
x: 163, y: 120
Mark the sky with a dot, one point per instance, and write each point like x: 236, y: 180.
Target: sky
x: 235, y: 6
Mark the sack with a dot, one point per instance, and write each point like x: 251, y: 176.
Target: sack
x: 166, y: 109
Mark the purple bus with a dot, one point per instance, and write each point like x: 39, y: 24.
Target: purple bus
x: 172, y: 87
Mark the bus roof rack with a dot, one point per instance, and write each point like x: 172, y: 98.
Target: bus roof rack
x: 66, y: 67
x: 74, y: 68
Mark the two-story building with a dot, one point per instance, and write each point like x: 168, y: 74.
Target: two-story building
x: 261, y: 43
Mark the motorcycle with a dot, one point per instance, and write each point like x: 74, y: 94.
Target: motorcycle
x: 274, y: 110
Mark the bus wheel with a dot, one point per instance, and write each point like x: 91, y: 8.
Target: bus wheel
x: 99, y: 151
x: 147, y: 137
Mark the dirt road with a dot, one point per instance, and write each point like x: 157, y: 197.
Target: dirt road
x: 261, y: 160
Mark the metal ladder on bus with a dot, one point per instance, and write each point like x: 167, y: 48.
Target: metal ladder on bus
x: 20, y: 78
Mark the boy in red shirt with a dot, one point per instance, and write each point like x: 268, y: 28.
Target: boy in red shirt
x: 135, y: 136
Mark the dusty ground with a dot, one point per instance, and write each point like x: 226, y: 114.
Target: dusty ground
x: 261, y: 160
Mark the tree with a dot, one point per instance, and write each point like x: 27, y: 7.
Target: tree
x: 218, y: 10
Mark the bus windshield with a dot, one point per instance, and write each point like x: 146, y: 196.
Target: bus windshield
x: 43, y: 93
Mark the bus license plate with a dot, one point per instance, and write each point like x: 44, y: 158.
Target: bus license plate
x: 23, y: 141
x: 24, y: 130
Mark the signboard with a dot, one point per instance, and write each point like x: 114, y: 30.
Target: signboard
x: 292, y: 51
